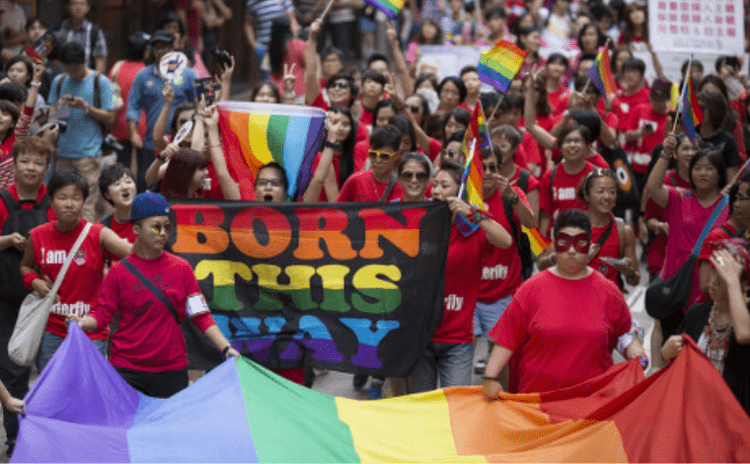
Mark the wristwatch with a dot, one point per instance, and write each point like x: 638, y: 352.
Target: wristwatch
x: 334, y: 145
x: 515, y: 200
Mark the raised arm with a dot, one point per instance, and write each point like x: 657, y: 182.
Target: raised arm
x: 160, y: 127
x: 730, y: 272
x: 496, y: 234
x: 399, y: 62
x: 655, y: 184
x: 318, y: 181
x: 312, y: 85
x: 542, y: 137
x: 229, y: 187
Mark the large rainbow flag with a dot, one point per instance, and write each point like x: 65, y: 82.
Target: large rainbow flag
x: 500, y: 64
x: 601, y: 75
x: 254, y: 134
x: 389, y: 7
x: 692, y: 114
x: 81, y: 410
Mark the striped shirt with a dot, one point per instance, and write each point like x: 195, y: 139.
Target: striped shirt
x: 82, y: 35
x: 264, y: 12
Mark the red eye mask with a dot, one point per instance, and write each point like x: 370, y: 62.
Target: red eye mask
x: 581, y: 242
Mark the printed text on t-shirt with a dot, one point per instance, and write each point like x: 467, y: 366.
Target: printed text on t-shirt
x: 565, y: 193
x: 453, y: 302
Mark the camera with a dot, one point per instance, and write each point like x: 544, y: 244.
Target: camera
x: 110, y: 143
x: 63, y: 125
x: 221, y: 59
x: 206, y: 87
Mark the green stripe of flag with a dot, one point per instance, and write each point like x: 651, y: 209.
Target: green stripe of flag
x: 276, y: 134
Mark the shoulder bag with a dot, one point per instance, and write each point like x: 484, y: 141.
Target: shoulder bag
x: 665, y: 297
x: 23, y: 346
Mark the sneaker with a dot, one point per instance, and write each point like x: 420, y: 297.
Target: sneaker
x: 480, y: 366
x: 376, y: 391
x: 359, y: 380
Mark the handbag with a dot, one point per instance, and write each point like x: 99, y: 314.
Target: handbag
x: 23, y: 346
x: 666, y: 297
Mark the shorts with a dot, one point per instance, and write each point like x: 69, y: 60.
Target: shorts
x: 486, y: 315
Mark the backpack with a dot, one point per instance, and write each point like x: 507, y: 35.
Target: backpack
x: 522, y: 242
x: 105, y: 128
x: 12, y: 290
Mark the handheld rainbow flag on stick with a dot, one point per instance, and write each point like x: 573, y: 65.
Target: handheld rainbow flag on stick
x: 472, y: 182
x: 500, y: 64
x: 538, y: 243
x: 601, y: 74
x: 255, y: 134
x: 692, y: 115
x: 389, y: 7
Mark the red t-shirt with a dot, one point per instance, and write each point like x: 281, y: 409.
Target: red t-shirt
x: 598, y: 160
x: 561, y: 195
x: 148, y: 338
x: 366, y: 118
x: 557, y: 337
x: 657, y: 251
x: 640, y: 149
x: 435, y: 147
x: 336, y: 162
x: 531, y: 149
x: 617, y: 114
x: 13, y: 189
x: 610, y: 249
x: 125, y: 77
x: 558, y: 100
x: 363, y: 187
x: 123, y: 230
x: 463, y: 272
x: 50, y: 249
x: 629, y: 102
x: 501, y: 268
x: 360, y: 154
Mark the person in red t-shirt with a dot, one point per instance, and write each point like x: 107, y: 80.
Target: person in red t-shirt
x: 117, y: 185
x: 501, y: 268
x: 379, y: 182
x: 549, y: 343
x: 373, y: 86
x: 448, y: 357
x: 148, y: 348
x: 23, y: 206
x: 633, y: 92
x: 46, y: 251
x: 557, y: 94
x: 508, y: 140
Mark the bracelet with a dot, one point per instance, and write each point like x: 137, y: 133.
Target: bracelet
x: 36, y: 84
x: 665, y: 156
x: 28, y: 278
x: 487, y: 377
x: 226, y: 350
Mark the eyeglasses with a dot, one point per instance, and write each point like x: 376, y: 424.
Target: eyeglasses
x: 156, y: 230
x: 271, y: 182
x: 413, y: 108
x: 383, y: 155
x: 450, y: 153
x: 739, y: 198
x: 340, y: 85
x: 492, y: 167
x: 572, y: 140
x: 420, y: 176
x: 581, y: 242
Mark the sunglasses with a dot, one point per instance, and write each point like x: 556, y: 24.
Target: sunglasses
x: 271, y: 182
x: 491, y: 167
x: 156, y: 230
x: 420, y: 176
x: 340, y: 85
x: 581, y: 242
x: 413, y: 108
x: 450, y: 153
x: 383, y: 155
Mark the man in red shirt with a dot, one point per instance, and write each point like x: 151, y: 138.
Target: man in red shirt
x: 23, y: 206
x: 117, y: 185
x: 633, y: 93
x: 379, y: 182
x: 153, y: 291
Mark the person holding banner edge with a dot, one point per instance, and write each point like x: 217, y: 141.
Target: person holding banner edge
x: 153, y: 291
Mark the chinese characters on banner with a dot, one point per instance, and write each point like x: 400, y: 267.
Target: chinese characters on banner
x: 707, y: 28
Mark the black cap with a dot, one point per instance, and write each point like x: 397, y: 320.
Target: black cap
x: 161, y: 36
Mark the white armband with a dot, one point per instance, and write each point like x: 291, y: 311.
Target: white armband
x: 196, y: 304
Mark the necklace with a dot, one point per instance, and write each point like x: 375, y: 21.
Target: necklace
x: 715, y: 341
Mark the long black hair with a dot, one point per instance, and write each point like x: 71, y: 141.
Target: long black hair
x: 281, y: 33
x: 347, y: 145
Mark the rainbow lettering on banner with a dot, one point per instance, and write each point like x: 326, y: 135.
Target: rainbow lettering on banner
x: 389, y: 7
x: 255, y: 134
x: 500, y: 64
x: 241, y: 412
x: 692, y: 114
x: 601, y: 75
x: 285, y: 280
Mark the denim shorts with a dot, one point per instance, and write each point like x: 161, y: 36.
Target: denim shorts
x: 449, y: 362
x: 486, y: 315
x: 50, y: 344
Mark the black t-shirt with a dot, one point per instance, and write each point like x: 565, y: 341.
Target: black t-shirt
x: 725, y: 144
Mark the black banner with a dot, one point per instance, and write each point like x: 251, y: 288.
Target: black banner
x: 354, y: 287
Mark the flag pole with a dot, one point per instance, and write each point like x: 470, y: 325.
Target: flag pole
x: 466, y: 169
x: 325, y: 11
x: 678, y: 113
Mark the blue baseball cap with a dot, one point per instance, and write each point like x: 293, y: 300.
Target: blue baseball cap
x: 149, y: 204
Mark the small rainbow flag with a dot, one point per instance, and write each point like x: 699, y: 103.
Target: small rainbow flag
x: 538, y: 243
x: 692, y: 115
x: 389, y: 7
x: 255, y: 134
x: 601, y: 74
x: 473, y: 178
x: 499, y: 65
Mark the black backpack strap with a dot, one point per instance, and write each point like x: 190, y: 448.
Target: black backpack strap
x: 509, y: 215
x: 97, y: 88
x: 10, y: 202
x: 107, y: 221
x: 93, y: 39
x: 552, y: 180
x: 603, y: 238
x: 523, y: 180
x: 150, y: 285
x: 60, y: 84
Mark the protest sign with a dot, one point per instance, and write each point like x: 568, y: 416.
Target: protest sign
x: 353, y: 287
